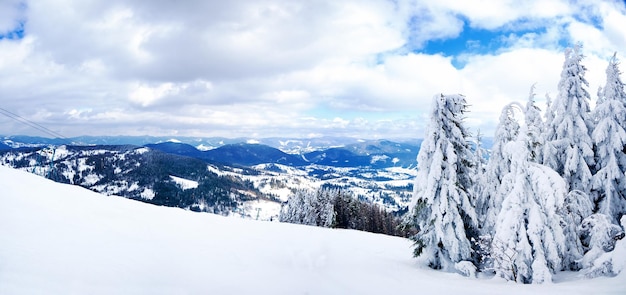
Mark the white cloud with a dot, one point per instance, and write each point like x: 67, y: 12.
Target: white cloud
x: 614, y: 28
x: 169, y: 93
x: 278, y: 67
x: 146, y: 95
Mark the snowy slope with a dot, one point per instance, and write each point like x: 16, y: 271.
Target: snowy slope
x: 184, y: 183
x: 62, y: 239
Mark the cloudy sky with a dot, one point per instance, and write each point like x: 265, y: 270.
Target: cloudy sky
x: 292, y: 68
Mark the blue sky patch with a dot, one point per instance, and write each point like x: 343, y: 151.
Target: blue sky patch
x: 15, y: 34
x: 473, y: 41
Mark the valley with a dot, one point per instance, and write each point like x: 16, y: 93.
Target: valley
x: 246, y: 179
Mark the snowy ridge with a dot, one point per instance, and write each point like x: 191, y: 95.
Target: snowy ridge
x: 60, y: 239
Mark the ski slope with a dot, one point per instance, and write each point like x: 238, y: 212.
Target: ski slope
x: 63, y: 239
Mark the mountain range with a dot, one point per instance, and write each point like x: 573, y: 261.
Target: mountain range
x: 329, y: 151
x: 288, y: 145
x: 372, y: 154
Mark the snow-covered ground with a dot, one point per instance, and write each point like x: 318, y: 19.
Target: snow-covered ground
x: 63, y: 239
x: 184, y: 183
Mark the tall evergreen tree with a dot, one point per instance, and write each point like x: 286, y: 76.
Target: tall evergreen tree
x: 441, y: 207
x: 534, y: 128
x: 490, y: 201
x: 324, y: 210
x: 599, y: 236
x: 548, y: 115
x: 528, y: 242
x: 569, y: 148
x: 294, y: 210
x: 548, y: 133
x: 309, y: 207
x: 331, y: 207
x: 609, y: 137
x: 479, y: 154
x: 577, y: 207
x: 480, y: 164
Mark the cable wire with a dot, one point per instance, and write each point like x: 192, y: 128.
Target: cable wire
x: 30, y: 123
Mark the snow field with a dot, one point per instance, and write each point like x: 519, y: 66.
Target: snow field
x: 63, y: 239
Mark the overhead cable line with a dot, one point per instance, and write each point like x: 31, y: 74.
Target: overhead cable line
x: 43, y: 129
x: 30, y: 123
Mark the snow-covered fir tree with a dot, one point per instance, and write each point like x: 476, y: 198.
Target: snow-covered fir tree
x: 609, y: 137
x: 309, y: 207
x: 332, y: 207
x: 548, y: 132
x: 548, y: 116
x: 294, y: 211
x: 323, y: 207
x: 535, y: 198
x: 479, y: 154
x: 599, y: 235
x: 577, y: 207
x: 490, y: 201
x: 528, y: 241
x: 478, y: 177
x: 441, y: 207
x: 569, y: 148
x: 534, y: 128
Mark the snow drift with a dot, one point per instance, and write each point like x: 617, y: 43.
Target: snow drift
x: 62, y: 239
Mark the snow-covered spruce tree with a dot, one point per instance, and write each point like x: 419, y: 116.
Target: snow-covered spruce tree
x: 490, y: 201
x: 577, y: 207
x: 609, y: 137
x: 309, y: 207
x: 528, y: 242
x: 441, y: 207
x: 323, y: 206
x: 548, y: 132
x: 569, y: 148
x: 599, y: 236
x: 479, y: 154
x: 478, y: 176
x: 294, y: 210
x: 534, y: 128
x: 548, y: 115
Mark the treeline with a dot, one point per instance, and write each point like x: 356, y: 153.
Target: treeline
x: 336, y: 208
